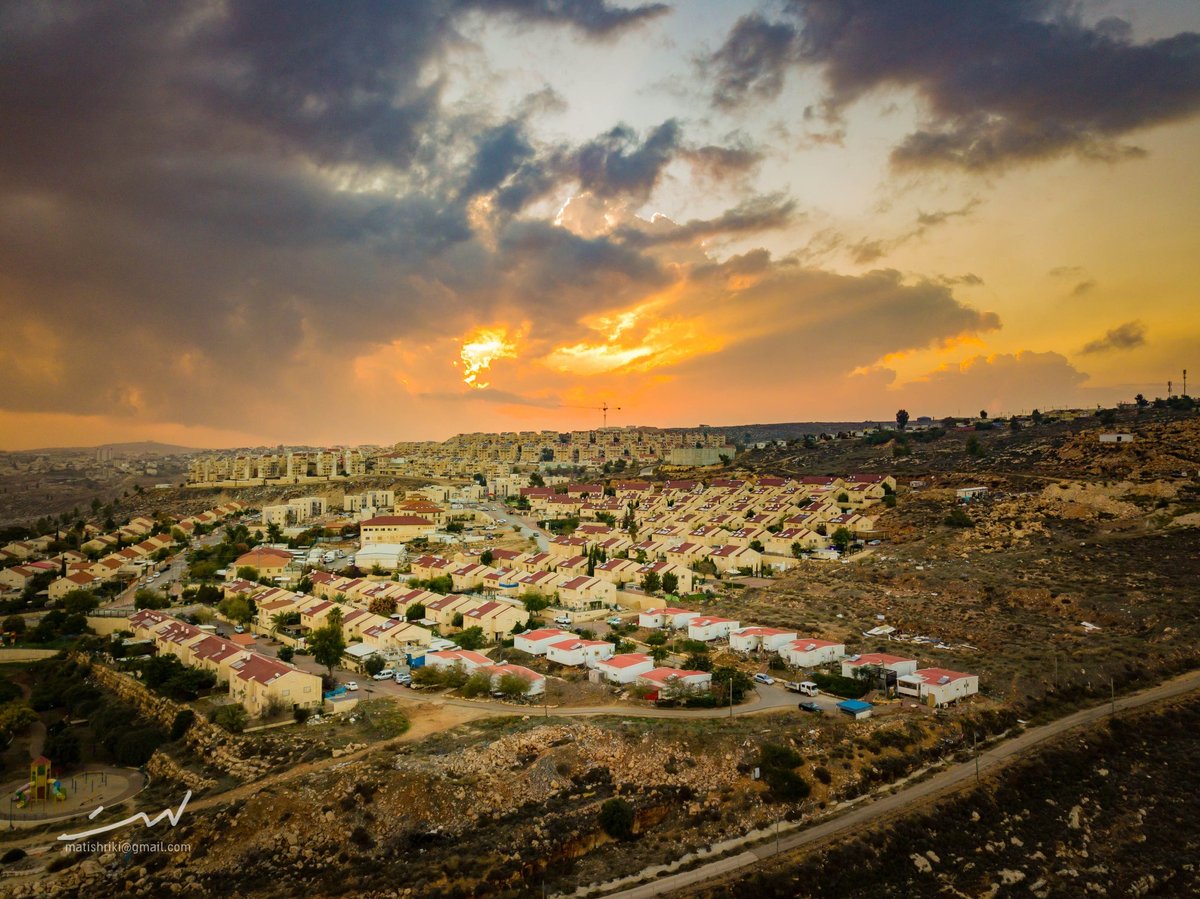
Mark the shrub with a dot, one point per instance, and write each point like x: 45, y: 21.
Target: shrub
x: 478, y: 684
x: 12, y: 855
x: 286, y: 653
x: 300, y: 714
x: 183, y: 720
x: 616, y: 818
x: 231, y: 717
x: 822, y: 774
x: 958, y: 518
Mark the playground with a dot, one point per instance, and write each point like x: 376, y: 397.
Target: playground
x: 45, y: 795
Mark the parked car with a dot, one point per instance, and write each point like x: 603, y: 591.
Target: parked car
x: 404, y: 678
x: 562, y: 619
x: 808, y: 688
x: 351, y: 685
x: 809, y: 706
x: 615, y: 621
x: 764, y: 678
x: 238, y: 629
x: 385, y: 674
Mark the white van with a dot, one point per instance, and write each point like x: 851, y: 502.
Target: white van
x: 808, y: 688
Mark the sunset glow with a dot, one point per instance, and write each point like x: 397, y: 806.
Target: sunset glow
x: 480, y: 350
x: 729, y: 217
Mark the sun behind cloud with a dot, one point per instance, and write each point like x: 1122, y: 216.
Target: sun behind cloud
x: 480, y: 349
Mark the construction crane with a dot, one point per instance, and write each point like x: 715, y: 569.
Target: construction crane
x: 602, y: 408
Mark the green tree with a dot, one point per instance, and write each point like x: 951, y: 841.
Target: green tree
x: 231, y: 717
x: 478, y: 684
x: 1036, y: 417
x: 536, y: 480
x: 797, y: 549
x: 457, y: 620
x: 659, y: 654
x: 248, y: 573
x: 235, y: 608
x: 63, y: 748
x: 286, y: 654
x: 1141, y: 401
x: 327, y: 642
x: 842, y: 538
x: 471, y: 638
x: 513, y: 686
x: 698, y: 661
x: 415, y: 612
x: 184, y: 719
x: 373, y: 665
x: 485, y: 558
x: 145, y: 598
x: 902, y: 419
x: 974, y: 447
x: 617, y: 818
x: 670, y: 582
x: 79, y: 602
x: 651, y: 582
x: 728, y: 679
x: 274, y: 533
x: 14, y: 624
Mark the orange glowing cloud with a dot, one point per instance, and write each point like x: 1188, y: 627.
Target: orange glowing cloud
x: 481, y: 348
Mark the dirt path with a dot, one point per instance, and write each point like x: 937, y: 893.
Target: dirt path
x: 895, y: 804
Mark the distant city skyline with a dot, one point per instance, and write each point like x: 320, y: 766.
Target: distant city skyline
x: 327, y: 224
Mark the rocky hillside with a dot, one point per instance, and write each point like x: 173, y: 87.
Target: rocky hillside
x: 1103, y: 814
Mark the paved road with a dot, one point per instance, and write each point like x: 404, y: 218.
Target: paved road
x: 169, y: 577
x: 917, y: 794
x: 523, y: 527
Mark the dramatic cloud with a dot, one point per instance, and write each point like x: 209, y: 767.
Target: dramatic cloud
x: 229, y: 221
x: 753, y: 60
x: 1128, y: 336
x: 755, y: 214
x: 1003, y: 81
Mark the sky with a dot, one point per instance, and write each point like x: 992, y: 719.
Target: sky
x: 242, y: 223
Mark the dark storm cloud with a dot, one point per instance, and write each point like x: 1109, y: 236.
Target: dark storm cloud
x: 197, y: 197
x: 1128, y: 336
x: 616, y: 164
x: 754, y: 215
x: 1004, y: 81
x: 753, y: 60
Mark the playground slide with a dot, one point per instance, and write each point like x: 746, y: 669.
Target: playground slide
x: 22, y: 795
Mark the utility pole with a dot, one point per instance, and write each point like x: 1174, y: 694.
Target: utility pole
x: 1185, y: 393
x: 975, y: 741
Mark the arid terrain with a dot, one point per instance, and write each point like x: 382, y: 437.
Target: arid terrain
x: 1072, y: 580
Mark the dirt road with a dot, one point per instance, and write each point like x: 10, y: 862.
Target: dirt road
x: 907, y: 799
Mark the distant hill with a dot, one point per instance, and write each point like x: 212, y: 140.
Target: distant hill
x: 138, y: 449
